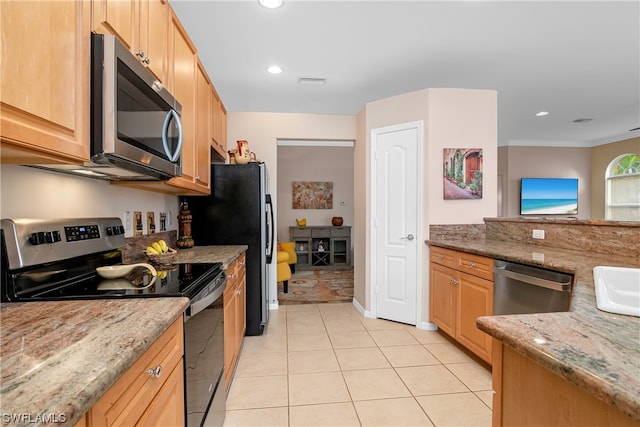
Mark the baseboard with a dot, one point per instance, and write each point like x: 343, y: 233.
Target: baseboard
x: 274, y: 305
x: 361, y: 310
x: 427, y: 326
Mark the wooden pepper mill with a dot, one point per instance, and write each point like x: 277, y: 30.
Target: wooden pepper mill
x: 184, y: 227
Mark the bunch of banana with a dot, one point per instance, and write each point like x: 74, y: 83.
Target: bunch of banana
x: 159, y: 247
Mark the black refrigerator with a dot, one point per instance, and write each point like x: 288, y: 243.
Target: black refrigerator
x: 239, y: 212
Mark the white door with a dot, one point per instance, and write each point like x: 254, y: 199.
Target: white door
x: 396, y: 199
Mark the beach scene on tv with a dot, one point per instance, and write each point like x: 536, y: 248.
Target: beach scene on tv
x: 549, y: 196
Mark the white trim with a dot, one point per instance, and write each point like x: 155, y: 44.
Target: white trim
x: 427, y: 326
x: 314, y: 143
x: 419, y: 125
x: 274, y: 306
x: 361, y: 310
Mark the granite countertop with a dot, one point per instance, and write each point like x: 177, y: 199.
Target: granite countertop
x: 58, y: 357
x: 198, y: 254
x: 596, y: 350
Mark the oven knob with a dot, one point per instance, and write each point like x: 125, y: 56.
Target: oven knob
x: 110, y: 231
x: 48, y: 237
x: 56, y: 236
x: 121, y: 229
x: 37, y: 238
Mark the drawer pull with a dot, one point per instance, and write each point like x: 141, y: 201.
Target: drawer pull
x: 472, y: 264
x: 155, y: 372
x: 238, y: 292
x: 453, y: 281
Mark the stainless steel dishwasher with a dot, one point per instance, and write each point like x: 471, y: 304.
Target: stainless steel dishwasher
x: 522, y: 289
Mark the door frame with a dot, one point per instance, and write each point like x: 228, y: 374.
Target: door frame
x: 372, y: 230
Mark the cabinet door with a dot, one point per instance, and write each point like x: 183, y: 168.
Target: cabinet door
x: 230, y: 329
x: 444, y: 298
x: 242, y: 299
x: 44, y: 81
x: 475, y: 299
x: 203, y: 127
x: 167, y: 409
x: 218, y: 124
x: 154, y: 26
x: 182, y: 84
x: 117, y: 17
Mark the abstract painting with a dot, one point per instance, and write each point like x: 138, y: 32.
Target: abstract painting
x: 312, y: 195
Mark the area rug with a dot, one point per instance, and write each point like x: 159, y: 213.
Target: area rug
x: 318, y: 286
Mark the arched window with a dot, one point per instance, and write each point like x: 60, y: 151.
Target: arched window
x: 623, y: 188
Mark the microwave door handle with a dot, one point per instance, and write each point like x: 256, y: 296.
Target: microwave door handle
x: 173, y: 156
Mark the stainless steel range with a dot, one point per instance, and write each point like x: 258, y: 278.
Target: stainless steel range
x: 48, y: 260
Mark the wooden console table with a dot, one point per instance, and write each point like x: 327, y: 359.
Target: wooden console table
x: 322, y: 246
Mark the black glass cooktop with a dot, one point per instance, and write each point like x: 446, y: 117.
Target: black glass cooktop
x: 79, y: 280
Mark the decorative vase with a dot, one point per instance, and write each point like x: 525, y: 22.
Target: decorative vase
x: 337, y: 221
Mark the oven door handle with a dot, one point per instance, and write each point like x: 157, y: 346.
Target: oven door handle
x: 204, y: 302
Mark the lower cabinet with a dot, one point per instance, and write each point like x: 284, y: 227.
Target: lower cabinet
x: 235, y: 321
x: 461, y: 291
x: 151, y: 392
x: 528, y: 394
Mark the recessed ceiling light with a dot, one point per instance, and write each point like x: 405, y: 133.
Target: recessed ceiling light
x: 271, y: 4
x: 542, y: 114
x: 274, y: 69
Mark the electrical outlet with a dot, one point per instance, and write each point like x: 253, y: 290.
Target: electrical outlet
x: 538, y: 234
x: 127, y: 220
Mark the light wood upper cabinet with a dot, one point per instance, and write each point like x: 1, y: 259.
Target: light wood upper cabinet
x: 218, y: 125
x: 44, y: 81
x: 203, y: 127
x: 183, y: 84
x: 141, y: 25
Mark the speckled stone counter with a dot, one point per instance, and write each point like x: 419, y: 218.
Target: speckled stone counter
x: 58, y: 358
x: 596, y: 350
x: 224, y: 254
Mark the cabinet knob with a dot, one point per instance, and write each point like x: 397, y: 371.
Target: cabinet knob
x: 453, y: 281
x: 146, y: 60
x: 155, y: 372
x: 140, y: 53
x: 238, y: 292
x: 472, y: 264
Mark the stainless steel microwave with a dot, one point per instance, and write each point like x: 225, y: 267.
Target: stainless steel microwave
x: 135, y: 121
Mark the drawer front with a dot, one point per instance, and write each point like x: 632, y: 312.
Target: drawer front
x: 300, y: 232
x: 321, y: 232
x: 476, y: 265
x: 442, y: 256
x: 340, y: 232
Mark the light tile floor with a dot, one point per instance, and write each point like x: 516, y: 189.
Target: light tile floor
x: 326, y: 365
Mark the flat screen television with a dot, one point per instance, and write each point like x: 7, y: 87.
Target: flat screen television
x: 549, y: 196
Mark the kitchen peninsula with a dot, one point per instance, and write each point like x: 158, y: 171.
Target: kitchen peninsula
x: 590, y: 352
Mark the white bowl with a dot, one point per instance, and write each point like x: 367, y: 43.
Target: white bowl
x: 118, y: 271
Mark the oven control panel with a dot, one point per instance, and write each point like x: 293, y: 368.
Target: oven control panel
x: 82, y: 232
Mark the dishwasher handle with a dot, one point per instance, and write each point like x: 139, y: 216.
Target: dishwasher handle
x: 536, y: 281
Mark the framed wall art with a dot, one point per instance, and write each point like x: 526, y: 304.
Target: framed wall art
x: 462, y: 173
x: 312, y: 195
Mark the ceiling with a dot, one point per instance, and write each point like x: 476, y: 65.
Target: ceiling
x: 574, y: 59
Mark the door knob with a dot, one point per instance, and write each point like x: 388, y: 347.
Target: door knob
x: 409, y: 237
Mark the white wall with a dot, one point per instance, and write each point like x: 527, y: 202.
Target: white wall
x: 334, y: 164
x: 33, y: 193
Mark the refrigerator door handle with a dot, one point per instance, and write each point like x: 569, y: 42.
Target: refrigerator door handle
x: 270, y: 230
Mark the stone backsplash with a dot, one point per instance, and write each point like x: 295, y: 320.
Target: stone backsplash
x: 133, y: 251
x: 456, y: 231
x: 608, y: 237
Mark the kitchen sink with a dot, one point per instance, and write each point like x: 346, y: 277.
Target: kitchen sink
x: 617, y: 289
